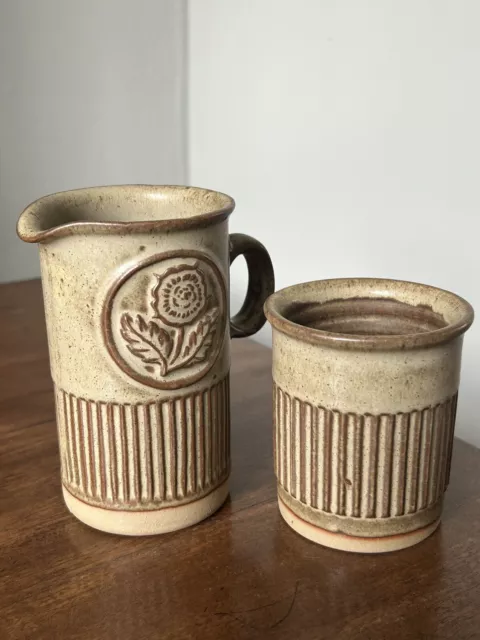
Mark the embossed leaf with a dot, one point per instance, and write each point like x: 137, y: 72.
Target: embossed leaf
x: 200, y: 338
x: 146, y: 340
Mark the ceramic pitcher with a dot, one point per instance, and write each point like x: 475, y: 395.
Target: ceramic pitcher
x: 136, y: 290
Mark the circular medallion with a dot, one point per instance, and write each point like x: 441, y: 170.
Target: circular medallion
x: 164, y: 319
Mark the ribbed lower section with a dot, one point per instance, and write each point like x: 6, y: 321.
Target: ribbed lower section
x: 362, y: 466
x: 144, y: 455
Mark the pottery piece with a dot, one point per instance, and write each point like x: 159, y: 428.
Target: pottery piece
x: 366, y: 375
x: 135, y: 282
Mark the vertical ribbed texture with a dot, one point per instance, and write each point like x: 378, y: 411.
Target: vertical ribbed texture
x: 144, y: 454
x: 362, y: 465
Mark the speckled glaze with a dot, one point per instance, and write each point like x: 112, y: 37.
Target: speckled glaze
x: 366, y: 374
x: 135, y: 282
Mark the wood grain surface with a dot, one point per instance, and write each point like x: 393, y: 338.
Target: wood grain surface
x: 242, y: 574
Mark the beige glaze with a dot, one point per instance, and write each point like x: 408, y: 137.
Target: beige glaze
x: 135, y: 282
x: 366, y: 375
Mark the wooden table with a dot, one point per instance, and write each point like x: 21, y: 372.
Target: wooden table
x: 242, y: 574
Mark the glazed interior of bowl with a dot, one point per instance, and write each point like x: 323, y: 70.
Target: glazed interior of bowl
x: 366, y: 316
x: 369, y: 312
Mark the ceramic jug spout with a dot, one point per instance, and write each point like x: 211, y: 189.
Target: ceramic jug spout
x: 43, y: 220
x: 121, y: 209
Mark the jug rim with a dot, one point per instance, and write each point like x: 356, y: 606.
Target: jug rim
x: 29, y: 223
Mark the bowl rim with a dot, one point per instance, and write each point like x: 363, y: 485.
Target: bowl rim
x: 277, y: 305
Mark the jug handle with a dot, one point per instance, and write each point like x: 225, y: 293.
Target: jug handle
x: 261, y: 284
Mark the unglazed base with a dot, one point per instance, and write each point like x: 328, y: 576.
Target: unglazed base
x: 147, y: 523
x: 344, y: 542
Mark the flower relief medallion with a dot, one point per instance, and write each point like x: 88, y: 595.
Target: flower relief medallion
x: 164, y: 320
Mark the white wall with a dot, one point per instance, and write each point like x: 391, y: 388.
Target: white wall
x: 91, y: 92
x: 349, y: 134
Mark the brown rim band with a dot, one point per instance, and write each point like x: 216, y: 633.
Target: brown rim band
x: 149, y: 508
x: 29, y: 224
x: 346, y: 536
x: 358, y: 526
x: 456, y: 311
